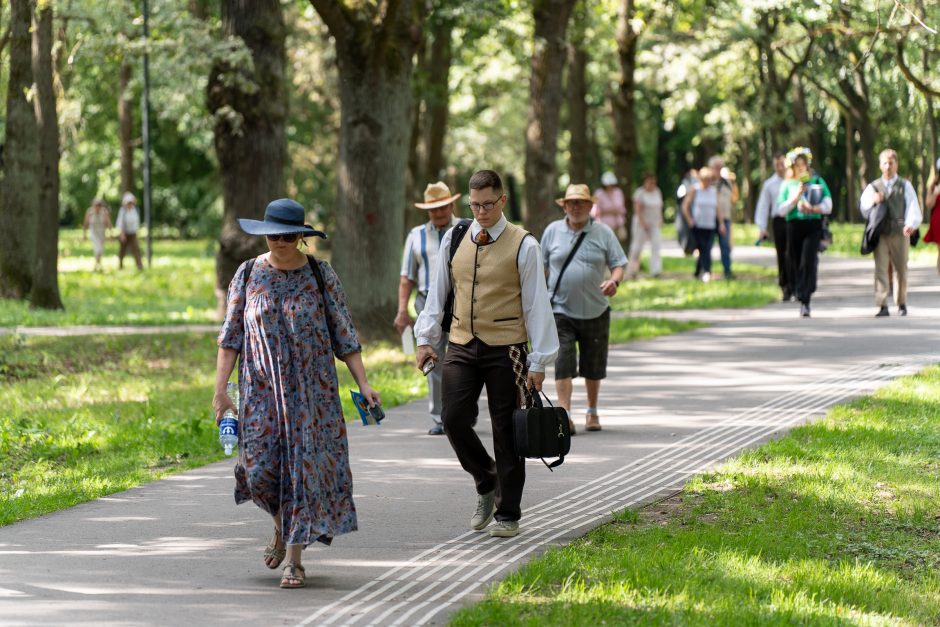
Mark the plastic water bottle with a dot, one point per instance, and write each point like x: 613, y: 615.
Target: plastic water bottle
x: 228, y: 428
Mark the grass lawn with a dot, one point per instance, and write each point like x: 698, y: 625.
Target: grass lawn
x: 178, y: 289
x: 676, y: 288
x: 835, y: 524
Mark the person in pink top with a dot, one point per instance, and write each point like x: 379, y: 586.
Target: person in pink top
x: 610, y: 206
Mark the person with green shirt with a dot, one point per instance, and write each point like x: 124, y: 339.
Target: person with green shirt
x: 805, y: 199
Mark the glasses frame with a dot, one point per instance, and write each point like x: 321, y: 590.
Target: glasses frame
x: 486, y: 206
x: 290, y: 238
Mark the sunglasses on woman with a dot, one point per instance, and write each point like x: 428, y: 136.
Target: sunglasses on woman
x: 287, y: 237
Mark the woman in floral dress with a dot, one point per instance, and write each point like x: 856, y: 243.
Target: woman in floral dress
x: 293, y: 459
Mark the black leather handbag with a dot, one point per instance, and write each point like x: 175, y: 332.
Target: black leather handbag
x: 541, y: 432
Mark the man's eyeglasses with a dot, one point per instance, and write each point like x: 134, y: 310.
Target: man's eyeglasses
x: 485, y: 206
x: 287, y: 237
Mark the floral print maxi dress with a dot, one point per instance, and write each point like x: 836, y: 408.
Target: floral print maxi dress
x: 293, y: 454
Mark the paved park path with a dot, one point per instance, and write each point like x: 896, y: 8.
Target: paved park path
x: 178, y: 551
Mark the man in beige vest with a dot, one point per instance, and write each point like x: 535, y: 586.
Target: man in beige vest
x: 902, y: 219
x: 500, y: 303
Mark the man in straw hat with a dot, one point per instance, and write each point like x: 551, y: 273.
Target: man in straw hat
x: 418, y: 263
x: 579, y: 291
x: 500, y: 303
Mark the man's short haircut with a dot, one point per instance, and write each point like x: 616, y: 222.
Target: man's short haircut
x: 888, y: 151
x: 486, y: 178
x: 714, y: 161
x: 649, y: 175
x: 779, y: 155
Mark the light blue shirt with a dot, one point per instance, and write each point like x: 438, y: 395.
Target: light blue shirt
x: 579, y: 296
x: 421, y: 250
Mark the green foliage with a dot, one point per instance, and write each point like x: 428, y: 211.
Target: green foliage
x: 834, y: 524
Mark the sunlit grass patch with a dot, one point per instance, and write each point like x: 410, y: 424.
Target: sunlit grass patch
x: 836, y: 523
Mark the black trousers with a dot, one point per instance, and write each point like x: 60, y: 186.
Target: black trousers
x: 467, y: 368
x: 780, y: 243
x: 704, y: 240
x: 803, y: 254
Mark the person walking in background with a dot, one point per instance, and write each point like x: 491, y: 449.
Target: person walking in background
x: 128, y: 223
x: 932, y: 202
x: 610, y: 207
x: 683, y: 229
x: 727, y: 191
x: 286, y: 323
x: 97, y: 222
x: 418, y: 265
x: 768, y: 209
x: 499, y: 304
x: 902, y: 218
x: 578, y: 251
x: 701, y: 212
x: 647, y: 226
x: 806, y: 199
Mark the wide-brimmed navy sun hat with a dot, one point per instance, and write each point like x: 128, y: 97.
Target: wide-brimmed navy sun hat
x: 280, y: 216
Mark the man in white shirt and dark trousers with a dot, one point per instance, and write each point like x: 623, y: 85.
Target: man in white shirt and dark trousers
x: 127, y: 224
x: 578, y: 292
x: 768, y: 205
x: 418, y: 264
x: 500, y: 303
x: 902, y: 218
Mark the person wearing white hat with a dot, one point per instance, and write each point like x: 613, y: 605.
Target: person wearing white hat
x: 578, y: 251
x: 418, y: 264
x: 127, y: 224
x: 610, y: 206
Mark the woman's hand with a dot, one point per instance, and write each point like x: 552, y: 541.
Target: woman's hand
x: 370, y: 394
x: 221, y: 403
x: 721, y: 227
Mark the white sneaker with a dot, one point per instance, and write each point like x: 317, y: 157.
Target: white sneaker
x: 706, y: 277
x: 505, y: 529
x: 486, y: 507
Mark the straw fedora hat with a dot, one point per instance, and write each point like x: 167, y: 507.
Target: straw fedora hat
x: 436, y: 195
x: 576, y: 192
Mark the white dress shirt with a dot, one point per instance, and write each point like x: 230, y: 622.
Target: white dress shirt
x: 536, y: 308
x: 767, y: 205
x: 912, y: 214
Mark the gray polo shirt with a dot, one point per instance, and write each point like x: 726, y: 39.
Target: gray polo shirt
x: 579, y: 295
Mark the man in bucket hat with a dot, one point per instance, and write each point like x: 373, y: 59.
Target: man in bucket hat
x: 579, y: 291
x: 418, y: 263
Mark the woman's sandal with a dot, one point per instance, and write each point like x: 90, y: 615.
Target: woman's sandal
x: 293, y: 576
x: 274, y: 555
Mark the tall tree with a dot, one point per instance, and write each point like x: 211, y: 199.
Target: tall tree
x: 545, y: 98
x: 624, y: 102
x: 437, y: 96
x: 249, y: 100
x: 375, y: 43
x: 578, y: 148
x: 45, y: 287
x: 125, y: 106
x: 19, y: 202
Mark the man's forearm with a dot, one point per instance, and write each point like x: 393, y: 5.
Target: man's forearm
x: 405, y: 285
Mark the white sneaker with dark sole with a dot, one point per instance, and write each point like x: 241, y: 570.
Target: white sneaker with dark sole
x: 505, y: 529
x: 486, y: 507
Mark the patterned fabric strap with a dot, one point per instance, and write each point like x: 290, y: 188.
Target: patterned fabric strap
x: 519, y: 368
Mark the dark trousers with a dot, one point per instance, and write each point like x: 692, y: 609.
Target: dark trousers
x: 130, y: 244
x: 467, y: 368
x: 704, y: 240
x: 803, y: 255
x: 780, y: 243
x: 724, y: 245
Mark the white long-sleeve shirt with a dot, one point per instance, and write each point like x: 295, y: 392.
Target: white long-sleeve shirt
x: 767, y: 203
x: 128, y: 220
x: 912, y: 213
x: 536, y: 308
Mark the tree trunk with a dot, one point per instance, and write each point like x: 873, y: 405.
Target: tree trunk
x: 45, y: 288
x: 417, y: 157
x: 545, y: 96
x: 126, y: 126
x: 577, y: 113
x: 624, y: 105
x: 19, y: 200
x: 249, y: 128
x: 437, y: 100
x: 851, y: 187
x: 375, y: 69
